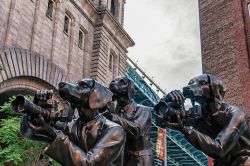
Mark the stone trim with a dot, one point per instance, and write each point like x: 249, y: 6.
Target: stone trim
x: 112, y: 36
x: 102, y: 13
x: 82, y: 12
x: 118, y: 25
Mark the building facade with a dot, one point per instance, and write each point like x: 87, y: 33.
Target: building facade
x: 225, y: 45
x: 43, y: 42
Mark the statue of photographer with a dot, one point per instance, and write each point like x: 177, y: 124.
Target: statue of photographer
x: 88, y: 140
x: 218, y: 129
x: 136, y: 121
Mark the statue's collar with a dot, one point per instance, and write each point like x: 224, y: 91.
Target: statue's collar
x: 94, y: 124
x: 129, y: 107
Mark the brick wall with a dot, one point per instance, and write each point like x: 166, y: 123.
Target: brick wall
x: 224, y: 47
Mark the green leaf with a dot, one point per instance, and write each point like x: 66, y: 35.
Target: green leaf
x: 2, y: 68
x: 16, y: 149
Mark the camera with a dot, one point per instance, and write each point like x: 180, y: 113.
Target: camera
x: 193, y: 112
x: 169, y: 109
x: 22, y: 106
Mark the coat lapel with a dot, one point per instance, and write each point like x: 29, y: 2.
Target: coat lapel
x: 90, y: 133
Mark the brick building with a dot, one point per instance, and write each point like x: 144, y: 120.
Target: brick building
x: 43, y: 42
x: 225, y: 43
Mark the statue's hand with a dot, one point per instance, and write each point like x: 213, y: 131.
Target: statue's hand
x: 178, y: 125
x: 37, y: 129
x: 168, y: 114
x: 43, y: 98
x: 174, y: 96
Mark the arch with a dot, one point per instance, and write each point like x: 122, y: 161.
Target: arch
x: 23, y: 85
x: 19, y: 62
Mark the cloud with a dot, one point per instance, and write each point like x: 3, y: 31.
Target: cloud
x: 167, y: 39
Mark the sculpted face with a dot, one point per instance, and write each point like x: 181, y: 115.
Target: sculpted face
x: 77, y: 93
x: 86, y: 93
x: 206, y: 88
x: 122, y: 87
x: 119, y: 85
x: 199, y: 88
x: 86, y: 88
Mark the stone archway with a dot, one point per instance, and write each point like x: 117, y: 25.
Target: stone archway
x: 26, y: 72
x: 20, y: 62
x: 22, y: 85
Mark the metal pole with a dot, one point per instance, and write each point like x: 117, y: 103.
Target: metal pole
x: 165, y: 148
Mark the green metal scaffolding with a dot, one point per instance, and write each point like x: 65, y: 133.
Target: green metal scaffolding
x: 179, y: 151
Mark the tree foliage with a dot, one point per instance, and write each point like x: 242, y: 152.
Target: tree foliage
x: 1, y: 67
x: 13, y: 147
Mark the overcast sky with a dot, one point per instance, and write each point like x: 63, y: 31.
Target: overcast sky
x: 167, y: 37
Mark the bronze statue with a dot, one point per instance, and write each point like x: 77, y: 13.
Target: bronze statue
x: 218, y: 129
x: 87, y: 140
x: 135, y: 119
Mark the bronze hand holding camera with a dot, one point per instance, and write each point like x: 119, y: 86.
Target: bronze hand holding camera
x: 86, y: 140
x: 221, y: 131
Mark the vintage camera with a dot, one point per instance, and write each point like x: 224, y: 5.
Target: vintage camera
x: 44, y: 99
x: 23, y: 106
x: 193, y: 112
x: 170, y: 109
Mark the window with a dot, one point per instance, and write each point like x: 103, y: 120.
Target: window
x: 248, y: 6
x: 113, y: 7
x: 50, y: 8
x: 66, y: 24
x: 111, y: 62
x: 80, y: 39
x: 246, y: 18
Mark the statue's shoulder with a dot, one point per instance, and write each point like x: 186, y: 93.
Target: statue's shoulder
x: 114, y: 128
x: 111, y: 124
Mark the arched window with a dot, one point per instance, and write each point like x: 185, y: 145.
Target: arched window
x: 66, y: 24
x: 81, y: 39
x: 111, y: 62
x: 112, y: 9
x: 50, y: 8
x: 246, y: 12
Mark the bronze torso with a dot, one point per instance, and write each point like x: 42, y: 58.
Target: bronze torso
x: 89, y: 144
x: 218, y: 129
x: 224, y: 136
x: 136, y: 120
x: 90, y: 140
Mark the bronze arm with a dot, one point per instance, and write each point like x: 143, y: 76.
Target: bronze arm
x: 102, y: 154
x: 224, y: 141
x: 135, y: 127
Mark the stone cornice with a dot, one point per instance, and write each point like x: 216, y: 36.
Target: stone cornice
x: 118, y: 32
x: 85, y: 14
x: 92, y: 12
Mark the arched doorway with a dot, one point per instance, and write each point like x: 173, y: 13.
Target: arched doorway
x: 23, y: 85
x: 25, y: 72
